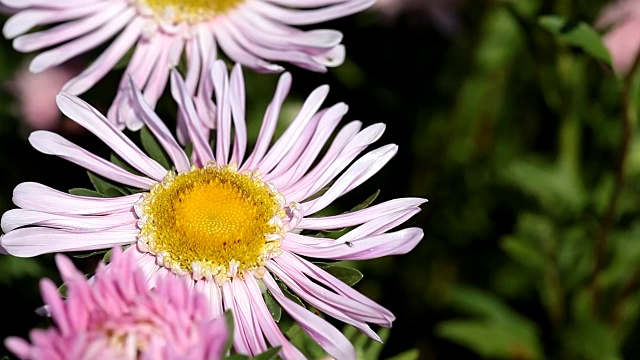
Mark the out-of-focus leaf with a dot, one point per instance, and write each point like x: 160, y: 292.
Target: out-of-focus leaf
x: 523, y: 252
x: 412, y: 354
x: 557, y: 191
x: 489, y: 339
x: 577, y: 33
x: 14, y: 268
x: 153, y: 148
x: 496, y: 331
x: 593, y: 340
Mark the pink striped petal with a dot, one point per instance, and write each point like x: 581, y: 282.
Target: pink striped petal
x: 358, y: 217
x: 27, y: 242
x: 38, y: 197
x: 372, y: 247
x: 356, y: 174
x: 85, y: 115
x: 330, y: 303
x: 269, y: 122
x: 16, y: 218
x: 53, y: 144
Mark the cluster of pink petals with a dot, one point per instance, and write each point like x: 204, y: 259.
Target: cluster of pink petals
x: 621, y: 20
x: 116, y: 316
x: 254, y: 33
x: 298, y: 164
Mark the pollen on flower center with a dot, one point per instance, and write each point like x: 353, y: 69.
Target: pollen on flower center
x: 189, y: 11
x: 212, y: 222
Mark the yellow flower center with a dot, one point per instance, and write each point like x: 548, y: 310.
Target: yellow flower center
x: 189, y: 11
x: 212, y: 222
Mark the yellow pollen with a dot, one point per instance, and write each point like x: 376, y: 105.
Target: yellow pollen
x: 212, y: 222
x: 189, y: 11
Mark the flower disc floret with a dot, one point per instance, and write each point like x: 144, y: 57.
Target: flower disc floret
x: 212, y: 222
x: 188, y: 11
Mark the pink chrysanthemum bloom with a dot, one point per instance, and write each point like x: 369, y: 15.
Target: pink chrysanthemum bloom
x: 227, y: 223
x: 251, y: 32
x: 116, y: 316
x: 621, y: 19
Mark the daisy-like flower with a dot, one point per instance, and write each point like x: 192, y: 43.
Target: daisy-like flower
x: 251, y: 32
x: 621, y: 20
x: 232, y: 225
x: 116, y: 316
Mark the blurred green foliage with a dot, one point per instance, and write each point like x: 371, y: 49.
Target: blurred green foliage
x: 521, y: 136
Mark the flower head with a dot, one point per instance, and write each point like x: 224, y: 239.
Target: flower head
x: 621, y: 19
x: 228, y: 222
x: 116, y: 316
x: 251, y: 32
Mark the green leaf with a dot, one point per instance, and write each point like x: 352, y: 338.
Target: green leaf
x: 82, y: 255
x: 577, y: 33
x: 269, y: 354
x: 106, y: 188
x: 367, y: 202
x: 523, y: 252
x: 117, y: 160
x: 412, y: 354
x: 237, y: 357
x: 153, y: 148
x: 85, y: 192
x: 489, y: 339
x: 593, y: 340
x: 349, y: 276
x: 272, y: 304
x: 496, y: 331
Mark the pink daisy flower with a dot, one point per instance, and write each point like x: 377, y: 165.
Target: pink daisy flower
x: 233, y: 224
x: 251, y: 32
x: 116, y: 316
x: 621, y: 19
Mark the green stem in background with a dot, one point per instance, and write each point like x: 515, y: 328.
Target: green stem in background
x: 608, y: 220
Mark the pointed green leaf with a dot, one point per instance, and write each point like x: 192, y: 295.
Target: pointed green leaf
x: 153, y: 148
x: 349, y: 276
x: 269, y: 354
x: 106, y: 188
x: 117, y: 160
x: 81, y: 255
x: 85, y: 192
x: 272, y: 304
x: 577, y: 33
x: 367, y: 202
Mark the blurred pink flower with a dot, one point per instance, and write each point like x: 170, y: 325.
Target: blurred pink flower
x: 621, y: 21
x: 441, y: 12
x: 116, y: 316
x: 36, y: 96
x: 159, y: 34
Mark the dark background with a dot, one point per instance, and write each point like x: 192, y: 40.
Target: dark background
x: 512, y: 134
